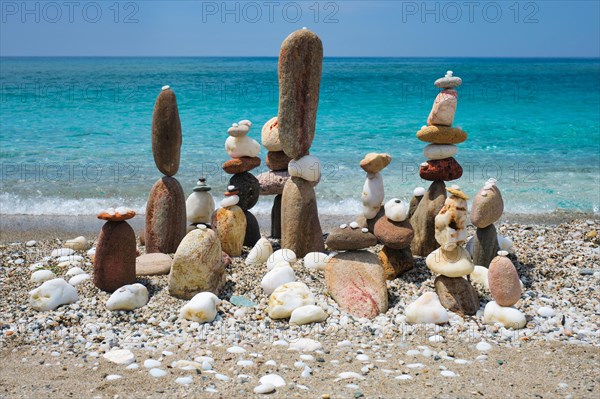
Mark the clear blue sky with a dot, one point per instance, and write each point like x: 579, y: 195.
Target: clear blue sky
x: 467, y: 28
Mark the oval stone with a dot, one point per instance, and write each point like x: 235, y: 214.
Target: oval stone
x: 300, y: 65
x: 230, y: 224
x: 165, y: 216
x: 487, y: 207
x: 270, y: 135
x: 166, y: 133
x: 504, y: 282
x: 197, y: 265
x: 249, y: 188
x: 240, y: 165
x: 441, y: 169
x: 277, y: 160
x: 440, y: 151
x: 396, y: 235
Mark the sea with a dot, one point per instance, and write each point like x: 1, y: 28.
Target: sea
x: 75, y: 133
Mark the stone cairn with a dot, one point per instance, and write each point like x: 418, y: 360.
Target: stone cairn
x: 440, y: 167
x: 200, y: 205
x: 487, y: 209
x: 273, y: 181
x: 452, y: 261
x: 356, y: 278
x: 114, y: 260
x: 505, y: 286
x: 165, y: 210
x: 244, y: 151
x: 300, y: 63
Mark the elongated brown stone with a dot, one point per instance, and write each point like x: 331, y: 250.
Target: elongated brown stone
x: 300, y: 227
x: 166, y: 133
x: 165, y: 216
x: 423, y: 220
x: 300, y: 65
x: 114, y: 261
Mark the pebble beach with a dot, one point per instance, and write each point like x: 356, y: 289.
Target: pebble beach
x: 555, y: 355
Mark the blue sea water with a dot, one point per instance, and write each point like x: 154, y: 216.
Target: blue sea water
x: 75, y: 133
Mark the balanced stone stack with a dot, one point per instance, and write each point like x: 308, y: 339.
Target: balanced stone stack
x: 452, y: 261
x: 300, y: 64
x: 441, y: 165
x: 487, y: 209
x: 273, y: 181
x: 505, y: 287
x: 200, y: 205
x: 395, y: 232
x: 244, y: 151
x: 114, y: 260
x: 165, y: 210
x: 230, y: 223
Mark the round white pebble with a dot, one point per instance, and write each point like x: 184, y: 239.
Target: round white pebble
x: 273, y: 379
x: 151, y: 363
x: 448, y: 373
x: 545, y: 311
x: 184, y: 380
x: 113, y: 377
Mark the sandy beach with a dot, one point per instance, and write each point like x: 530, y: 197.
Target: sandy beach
x: 554, y: 356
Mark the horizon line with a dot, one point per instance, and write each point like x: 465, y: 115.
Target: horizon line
x: 325, y: 57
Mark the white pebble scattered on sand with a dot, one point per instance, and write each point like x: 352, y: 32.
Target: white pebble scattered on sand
x: 157, y: 373
x: 483, y: 346
x: 346, y: 375
x: 221, y: 377
x: 404, y: 377
x: 184, y: 380
x: 448, y: 373
x: 264, y: 388
x: 151, y: 363
x: 236, y: 349
x: 546, y: 311
x: 112, y: 377
x: 274, y: 379
x: 120, y: 356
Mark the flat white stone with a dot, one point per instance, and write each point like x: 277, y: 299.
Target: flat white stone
x: 362, y: 358
x: 236, y: 349
x: 78, y: 244
x: 276, y: 278
x: 41, y: 276
x: 74, y: 271
x: 509, y: 317
x: 221, y: 377
x: 305, y: 345
x: 307, y: 314
x: 346, y: 375
x: 113, y: 377
x: 286, y: 255
x: 61, y: 252
x: 403, y: 377
x: 426, y: 309
x: 245, y: 363
x: 483, y: 346
x: 230, y: 201
x: 308, y: 168
x: 448, y: 373
x: 128, y: 297
x: 260, y: 253
x: 157, y: 373
x: 202, y: 308
x: 316, y: 260
x: 120, y: 356
x: 545, y: 311
x: 440, y: 151
x: 133, y: 366
x: 78, y: 279
x: 151, y: 363
x: 288, y: 297
x: 30, y: 243
x: 264, y: 388
x: 184, y: 380
x: 51, y: 294
x: 276, y: 380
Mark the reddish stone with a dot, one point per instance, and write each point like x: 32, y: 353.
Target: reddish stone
x: 240, y: 165
x: 165, y: 216
x: 114, y: 261
x: 395, y: 235
x: 116, y: 217
x: 395, y: 261
x: 356, y: 281
x: 277, y: 160
x: 441, y: 169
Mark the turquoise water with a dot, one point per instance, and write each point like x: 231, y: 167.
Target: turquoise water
x: 76, y: 132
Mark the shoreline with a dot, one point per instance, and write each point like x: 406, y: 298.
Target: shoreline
x: 38, y: 227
